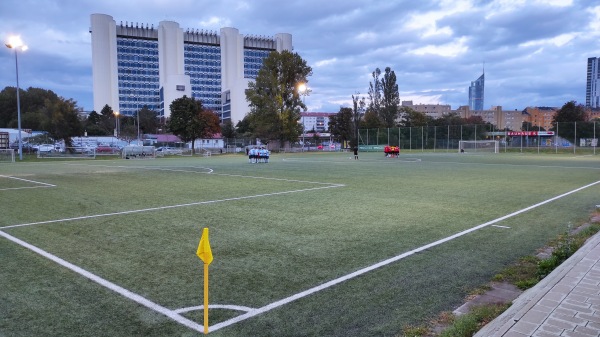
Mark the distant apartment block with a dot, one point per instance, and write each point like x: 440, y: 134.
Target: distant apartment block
x: 318, y: 121
x: 592, y: 88
x: 502, y: 119
x: 476, y: 93
x: 431, y: 110
x: 540, y: 116
x: 137, y: 65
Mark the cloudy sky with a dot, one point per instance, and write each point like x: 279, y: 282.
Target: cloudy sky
x: 534, y: 51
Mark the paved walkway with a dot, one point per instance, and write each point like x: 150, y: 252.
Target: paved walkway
x: 564, y: 303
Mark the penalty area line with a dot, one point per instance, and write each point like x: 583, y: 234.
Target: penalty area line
x: 26, y: 180
x: 383, y: 263
x: 107, y: 284
x: 170, y: 207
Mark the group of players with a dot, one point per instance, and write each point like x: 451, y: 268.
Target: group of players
x: 258, y: 155
x: 391, y: 151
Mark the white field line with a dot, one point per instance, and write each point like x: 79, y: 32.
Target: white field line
x: 517, y: 165
x: 26, y: 180
x: 254, y: 312
x: 211, y: 172
x: 158, y: 168
x: 105, y: 283
x: 214, y: 306
x: 172, y: 206
x: 23, y: 188
x: 365, y: 270
x: 501, y: 226
x: 351, y: 160
x: 416, y: 160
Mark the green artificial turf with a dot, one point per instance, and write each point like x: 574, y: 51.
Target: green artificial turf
x: 277, y: 229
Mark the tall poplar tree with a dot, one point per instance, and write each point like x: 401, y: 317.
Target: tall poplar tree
x: 390, y: 100
x: 375, y: 93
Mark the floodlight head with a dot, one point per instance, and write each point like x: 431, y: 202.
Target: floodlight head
x: 15, y: 42
x: 302, y: 87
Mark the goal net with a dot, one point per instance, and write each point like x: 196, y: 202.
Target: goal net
x: 186, y: 152
x: 491, y: 146
x: 67, y: 152
x: 7, y: 156
x: 138, y: 152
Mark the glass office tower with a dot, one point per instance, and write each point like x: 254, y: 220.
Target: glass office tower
x: 476, y: 93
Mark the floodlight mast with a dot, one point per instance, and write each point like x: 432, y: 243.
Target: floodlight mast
x: 302, y: 89
x: 15, y: 42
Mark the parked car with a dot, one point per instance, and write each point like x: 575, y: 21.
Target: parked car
x: 165, y: 150
x: 27, y: 148
x: 46, y: 148
x: 106, y: 149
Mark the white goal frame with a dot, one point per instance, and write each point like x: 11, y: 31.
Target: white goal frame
x: 7, y: 155
x: 138, y: 152
x: 488, y: 146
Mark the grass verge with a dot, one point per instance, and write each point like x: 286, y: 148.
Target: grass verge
x: 525, y: 273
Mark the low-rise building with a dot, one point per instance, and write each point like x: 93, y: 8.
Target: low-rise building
x: 431, y: 110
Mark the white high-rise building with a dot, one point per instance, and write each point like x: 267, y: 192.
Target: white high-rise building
x: 135, y: 66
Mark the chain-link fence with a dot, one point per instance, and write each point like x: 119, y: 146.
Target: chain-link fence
x: 574, y: 137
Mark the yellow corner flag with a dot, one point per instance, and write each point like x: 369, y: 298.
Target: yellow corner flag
x: 204, y: 252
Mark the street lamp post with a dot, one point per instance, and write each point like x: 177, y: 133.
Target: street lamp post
x: 15, y: 42
x: 117, y: 124
x: 302, y: 89
x: 138, y: 127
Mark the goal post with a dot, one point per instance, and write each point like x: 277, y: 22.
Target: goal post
x: 7, y: 156
x: 485, y: 146
x: 138, y: 152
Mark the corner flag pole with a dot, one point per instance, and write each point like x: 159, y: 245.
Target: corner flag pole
x: 205, y: 254
x: 206, y: 298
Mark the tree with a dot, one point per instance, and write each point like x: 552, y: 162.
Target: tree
x: 565, y: 122
x: 190, y: 121
x: 244, y: 128
x: 92, y: 125
x: 108, y: 120
x: 62, y: 120
x: 526, y: 126
x: 148, y: 120
x: 127, y: 127
x: 471, y: 120
x: 371, y: 121
x: 570, y: 112
x: 375, y: 93
x: 390, y: 100
x: 341, y: 126
x: 412, y: 118
x: 358, y: 111
x: 275, y: 101
x: 8, y: 106
x: 41, y: 110
x: 227, y: 129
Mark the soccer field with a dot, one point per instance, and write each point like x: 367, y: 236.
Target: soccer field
x: 310, y: 244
